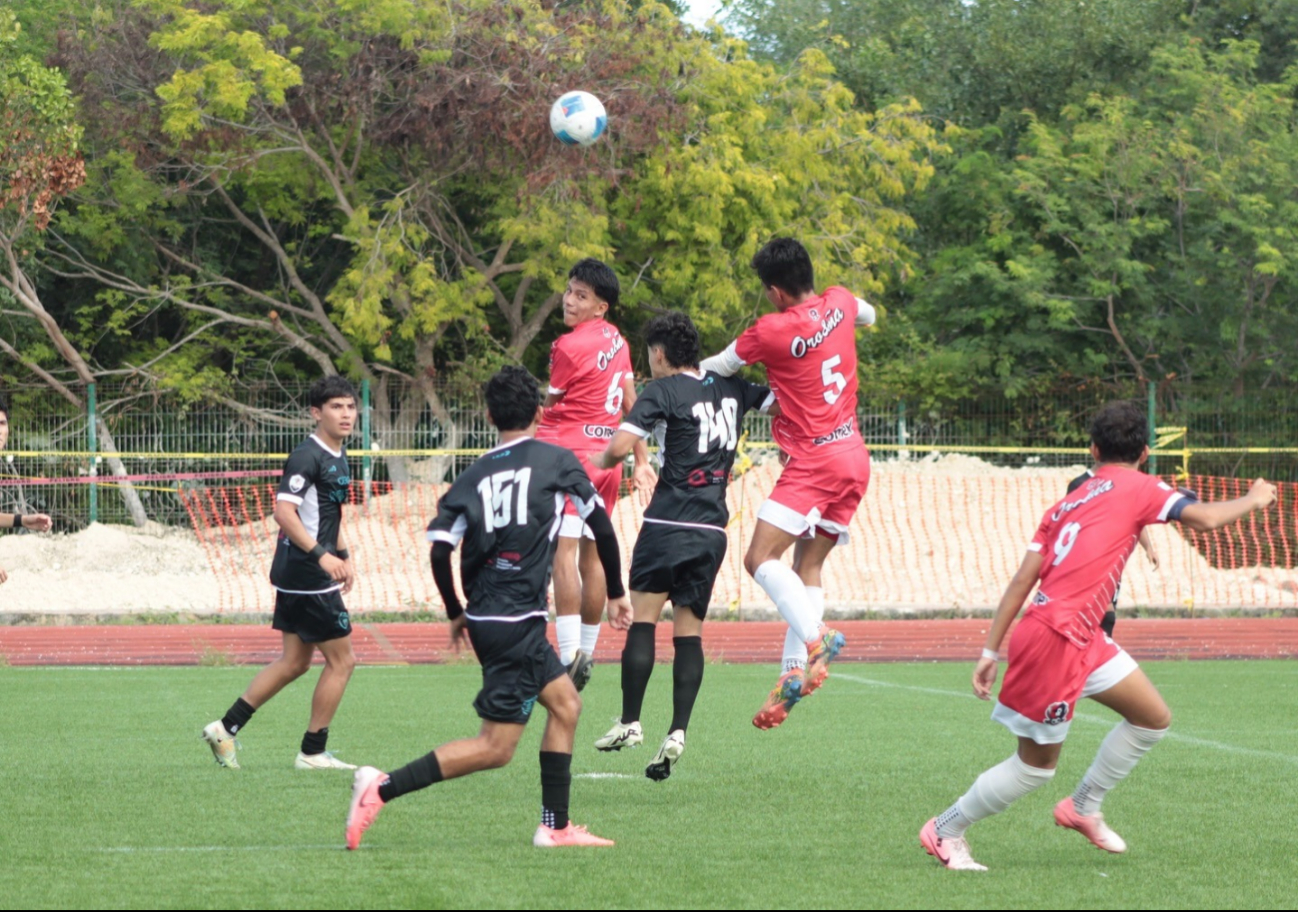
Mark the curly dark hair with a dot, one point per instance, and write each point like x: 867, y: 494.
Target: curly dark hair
x: 1120, y: 431
x: 785, y: 264
x: 513, y: 396
x: 675, y: 334
x: 331, y: 387
x: 600, y: 277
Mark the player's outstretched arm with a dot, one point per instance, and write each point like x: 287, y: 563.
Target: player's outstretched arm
x: 1204, y: 517
x: 727, y: 363
x: 291, y: 524
x: 1016, y: 593
x: 37, y: 522
x: 610, y: 557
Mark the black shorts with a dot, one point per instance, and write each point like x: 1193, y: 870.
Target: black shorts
x: 678, y: 560
x: 314, y: 616
x: 517, y: 663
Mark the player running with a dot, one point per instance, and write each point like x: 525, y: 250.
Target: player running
x: 591, y: 388
x: 506, y: 508
x: 311, y: 572
x: 809, y: 349
x: 696, y: 419
x: 1059, y: 654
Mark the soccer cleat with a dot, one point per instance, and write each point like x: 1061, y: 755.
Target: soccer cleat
x: 325, y: 761
x: 579, y: 670
x: 573, y: 834
x: 223, y: 745
x: 661, y: 766
x: 820, y: 652
x: 1092, y: 826
x: 366, y: 803
x: 787, y: 692
x: 620, y: 736
x: 953, y: 853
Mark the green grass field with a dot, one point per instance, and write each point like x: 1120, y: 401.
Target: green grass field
x: 112, y: 800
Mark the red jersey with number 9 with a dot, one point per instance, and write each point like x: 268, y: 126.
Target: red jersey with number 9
x: 810, y: 357
x: 588, y: 368
x: 1086, y: 539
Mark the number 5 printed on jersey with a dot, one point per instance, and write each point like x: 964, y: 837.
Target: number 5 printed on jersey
x: 832, y: 378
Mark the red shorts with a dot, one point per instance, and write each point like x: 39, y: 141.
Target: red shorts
x: 819, y: 495
x: 606, y: 482
x: 1047, y: 675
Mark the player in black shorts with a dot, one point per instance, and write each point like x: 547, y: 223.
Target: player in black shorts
x: 311, y: 572
x: 696, y: 418
x: 1110, y: 619
x: 506, y: 509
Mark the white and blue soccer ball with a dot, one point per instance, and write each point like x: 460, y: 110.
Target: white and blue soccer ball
x: 578, y: 118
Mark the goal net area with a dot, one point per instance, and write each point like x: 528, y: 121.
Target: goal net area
x: 942, y: 533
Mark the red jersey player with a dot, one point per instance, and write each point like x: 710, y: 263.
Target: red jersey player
x: 809, y: 349
x: 1059, y: 653
x: 591, y: 388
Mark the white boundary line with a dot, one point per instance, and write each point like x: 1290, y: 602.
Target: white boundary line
x: 130, y: 850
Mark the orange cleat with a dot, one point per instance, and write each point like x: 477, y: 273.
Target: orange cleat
x: 787, y: 692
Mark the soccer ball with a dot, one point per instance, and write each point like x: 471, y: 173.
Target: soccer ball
x: 578, y: 118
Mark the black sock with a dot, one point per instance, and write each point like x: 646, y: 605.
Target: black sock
x: 412, y: 777
x: 556, y: 783
x: 687, y: 677
x: 637, y: 666
x: 314, y: 742
x: 238, y: 715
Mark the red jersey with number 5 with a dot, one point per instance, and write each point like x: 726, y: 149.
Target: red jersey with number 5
x: 1086, y: 540
x: 810, y: 357
x: 588, y: 368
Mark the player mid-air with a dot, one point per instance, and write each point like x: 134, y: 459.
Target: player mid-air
x: 506, y: 509
x: 809, y: 348
x: 696, y: 419
x: 1060, y: 654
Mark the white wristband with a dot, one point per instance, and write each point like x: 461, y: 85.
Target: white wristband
x: 991, y: 654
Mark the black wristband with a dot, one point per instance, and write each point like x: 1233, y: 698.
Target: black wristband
x: 18, y: 521
x: 318, y: 552
x: 343, y: 554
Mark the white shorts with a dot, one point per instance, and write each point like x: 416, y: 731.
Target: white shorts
x: 800, y: 524
x: 573, y: 526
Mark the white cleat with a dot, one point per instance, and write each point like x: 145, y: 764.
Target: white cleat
x: 223, y: 745
x: 620, y: 736
x: 325, y: 761
x: 661, y: 765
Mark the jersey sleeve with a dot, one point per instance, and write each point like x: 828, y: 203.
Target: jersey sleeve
x: 452, y: 519
x: 563, y: 370
x: 748, y: 347
x: 650, y: 408
x: 865, y: 315
x: 726, y: 364
x: 573, y: 481
x: 1162, y: 503
x: 754, y: 396
x: 300, y: 473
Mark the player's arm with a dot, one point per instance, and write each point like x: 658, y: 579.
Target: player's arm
x: 610, y: 558
x: 37, y: 522
x: 1147, y: 543
x: 1204, y: 517
x: 444, y: 533
x: 345, y: 555
x: 865, y: 314
x: 1016, y: 593
x: 623, y: 442
x: 643, y: 476
x: 291, y: 525
x: 726, y: 363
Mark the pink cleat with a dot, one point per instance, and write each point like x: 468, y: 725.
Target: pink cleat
x: 953, y: 853
x: 574, y: 834
x: 1092, y: 826
x: 366, y: 803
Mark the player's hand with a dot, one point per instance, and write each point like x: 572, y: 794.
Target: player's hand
x: 1152, y: 555
x: 335, y: 566
x: 37, y: 522
x: 984, y: 677
x: 644, y: 478
x: 350, y: 579
x: 1263, y: 493
x: 3, y: 575
x: 619, y: 613
x: 459, y: 627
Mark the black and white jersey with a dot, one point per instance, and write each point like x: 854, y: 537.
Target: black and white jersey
x: 1080, y: 480
x: 317, y: 480
x: 506, y: 509
x: 696, y: 419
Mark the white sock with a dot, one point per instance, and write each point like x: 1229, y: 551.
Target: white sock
x: 568, y: 629
x: 993, y: 792
x: 1117, y: 757
x: 789, y: 595
x: 589, y: 638
x: 795, y: 648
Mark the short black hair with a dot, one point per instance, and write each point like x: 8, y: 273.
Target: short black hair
x: 676, y: 335
x: 331, y: 387
x: 600, y: 277
x: 4, y: 406
x: 513, y: 396
x: 785, y: 264
x: 1120, y: 431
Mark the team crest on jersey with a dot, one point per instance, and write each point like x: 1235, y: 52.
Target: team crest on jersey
x: 296, y: 483
x: 815, y: 314
x: 1056, y: 713
x: 607, y: 333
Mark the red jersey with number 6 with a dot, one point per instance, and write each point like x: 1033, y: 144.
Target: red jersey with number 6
x: 1086, y: 539
x: 810, y: 357
x: 588, y: 368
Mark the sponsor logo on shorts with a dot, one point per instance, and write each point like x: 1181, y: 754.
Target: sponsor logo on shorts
x: 598, y: 431
x: 296, y: 483
x: 1040, y: 598
x: 800, y: 346
x: 1056, y: 713
x: 344, y: 622
x: 842, y: 432
x: 527, y: 705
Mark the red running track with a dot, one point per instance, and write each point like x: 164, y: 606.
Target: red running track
x: 867, y: 641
